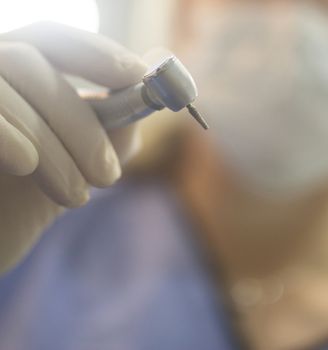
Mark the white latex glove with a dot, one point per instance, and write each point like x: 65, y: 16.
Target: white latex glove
x: 52, y: 145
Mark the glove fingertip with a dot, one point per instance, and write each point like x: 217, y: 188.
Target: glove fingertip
x: 29, y: 162
x: 18, y: 155
x: 133, y: 66
x: 128, y: 69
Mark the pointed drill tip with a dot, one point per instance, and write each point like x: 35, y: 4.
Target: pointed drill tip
x: 194, y: 112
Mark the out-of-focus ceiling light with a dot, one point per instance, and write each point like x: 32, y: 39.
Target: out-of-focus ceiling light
x: 81, y: 14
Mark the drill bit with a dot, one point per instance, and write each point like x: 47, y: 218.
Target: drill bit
x: 194, y: 112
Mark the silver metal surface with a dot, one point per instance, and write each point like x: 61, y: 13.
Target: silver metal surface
x: 167, y: 84
x: 198, y: 117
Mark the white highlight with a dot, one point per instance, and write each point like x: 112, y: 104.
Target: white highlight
x: 81, y: 14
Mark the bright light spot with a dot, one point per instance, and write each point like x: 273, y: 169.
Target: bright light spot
x: 81, y: 14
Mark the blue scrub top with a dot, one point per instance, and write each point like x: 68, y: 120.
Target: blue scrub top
x: 120, y: 273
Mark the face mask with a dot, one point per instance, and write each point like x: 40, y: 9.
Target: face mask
x: 263, y: 83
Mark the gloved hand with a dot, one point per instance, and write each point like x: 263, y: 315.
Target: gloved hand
x: 52, y: 146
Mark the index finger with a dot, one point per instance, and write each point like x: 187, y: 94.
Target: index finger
x: 88, y: 55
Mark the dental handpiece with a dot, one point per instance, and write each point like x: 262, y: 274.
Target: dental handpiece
x: 166, y: 85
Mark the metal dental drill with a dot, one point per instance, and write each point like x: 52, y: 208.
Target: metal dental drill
x: 168, y: 84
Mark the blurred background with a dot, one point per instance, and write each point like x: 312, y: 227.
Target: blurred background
x: 226, y: 242
x: 127, y: 21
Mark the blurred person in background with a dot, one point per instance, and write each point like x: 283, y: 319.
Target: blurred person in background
x: 244, y: 207
x: 258, y: 190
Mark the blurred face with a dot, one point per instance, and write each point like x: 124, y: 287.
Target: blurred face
x: 260, y: 84
x: 258, y: 179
